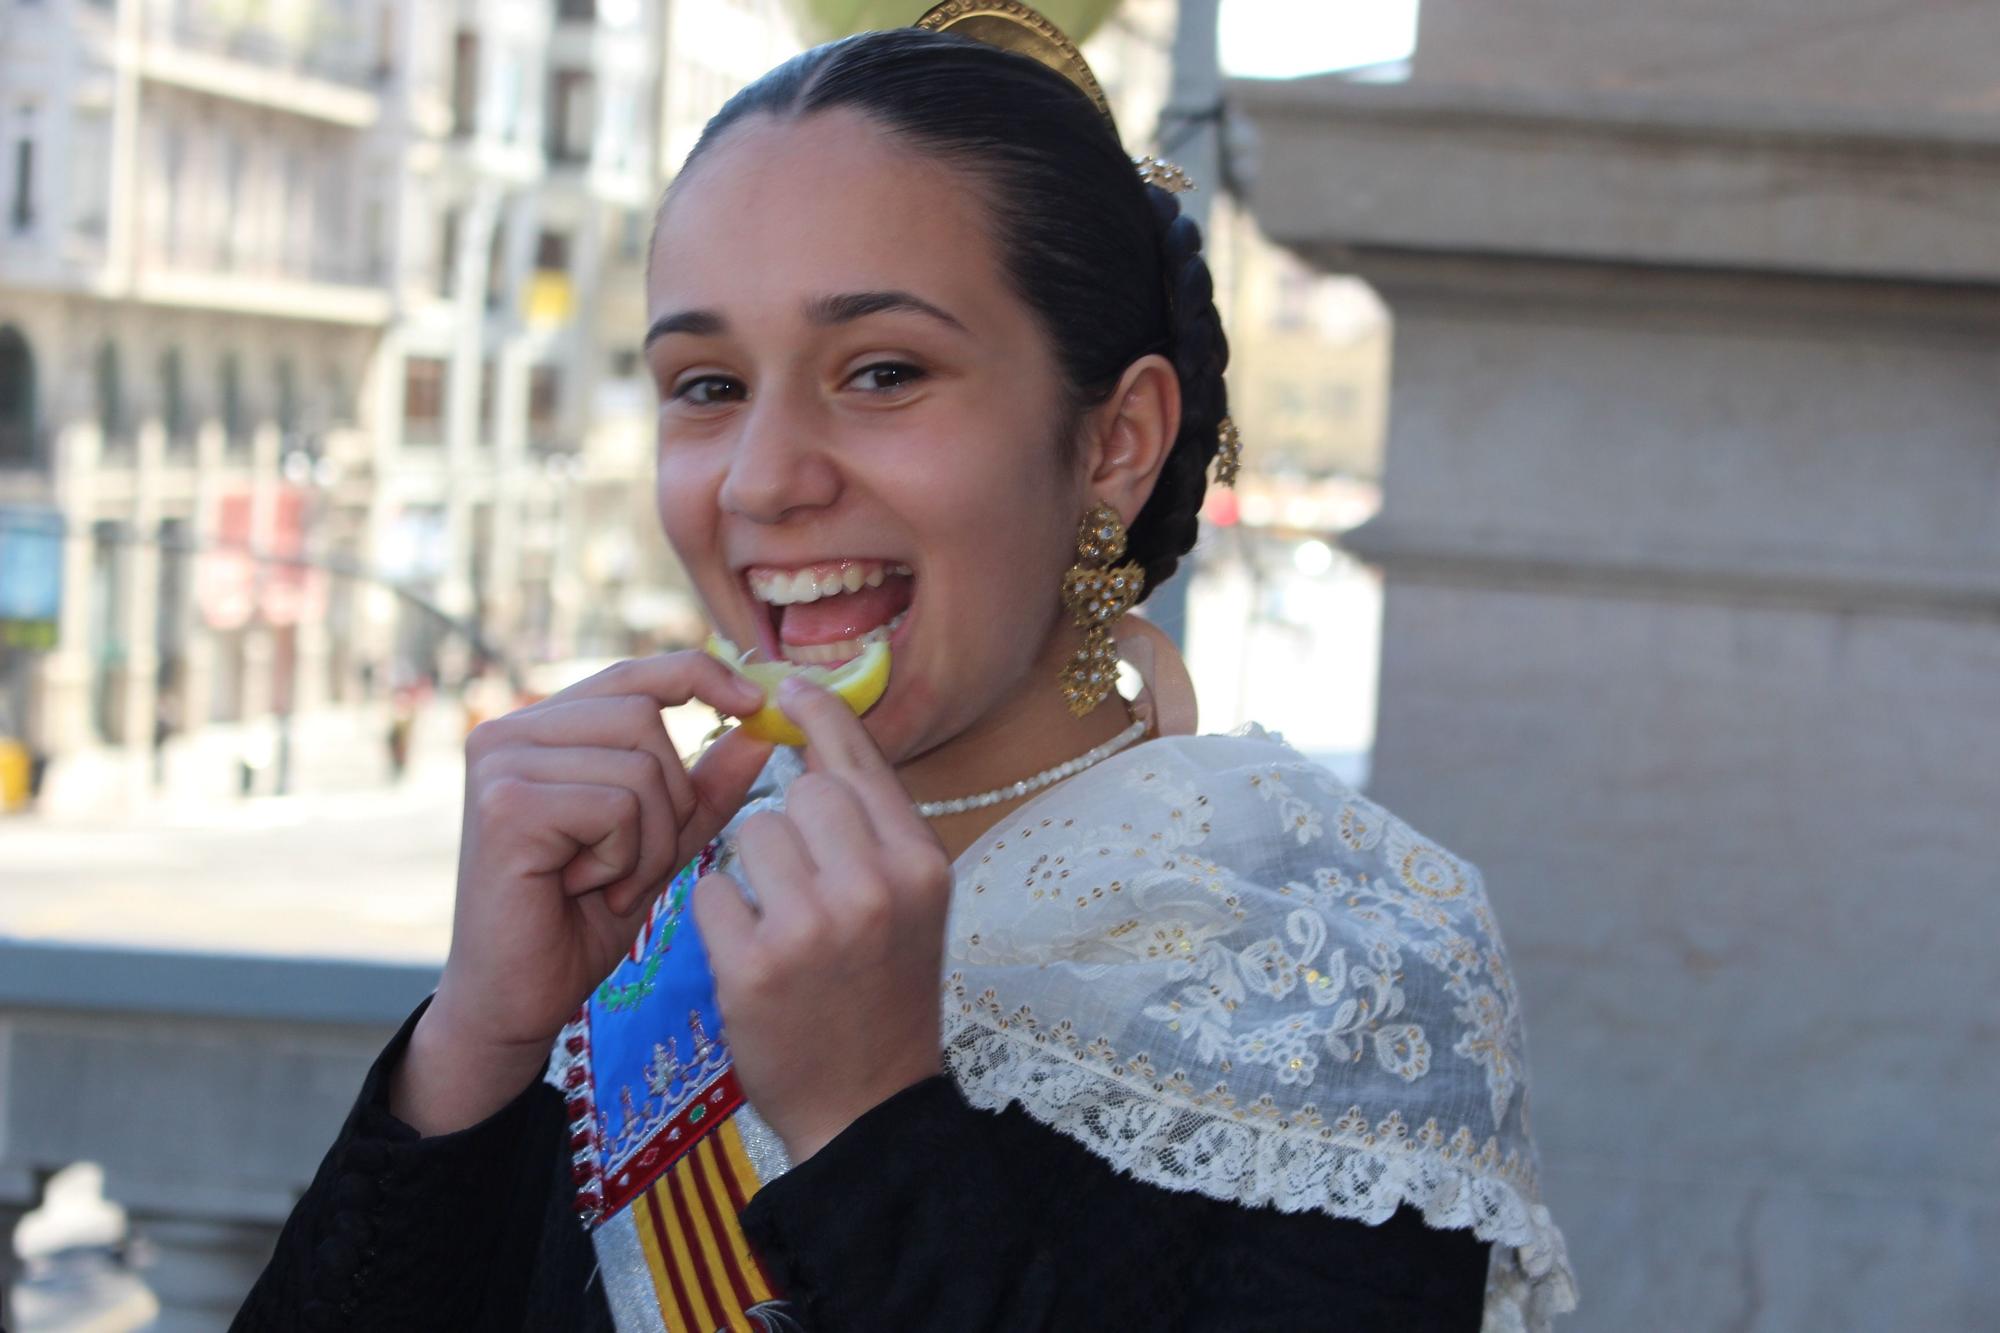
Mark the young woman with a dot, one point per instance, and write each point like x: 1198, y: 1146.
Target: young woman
x: 1003, y: 1007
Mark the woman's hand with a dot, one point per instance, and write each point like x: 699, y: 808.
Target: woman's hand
x: 578, y: 812
x: 829, y: 988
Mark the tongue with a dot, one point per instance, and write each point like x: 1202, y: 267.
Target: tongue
x: 846, y: 616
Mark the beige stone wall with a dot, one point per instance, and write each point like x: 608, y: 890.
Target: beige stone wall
x: 1880, y: 55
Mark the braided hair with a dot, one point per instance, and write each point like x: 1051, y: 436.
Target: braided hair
x: 1107, y: 263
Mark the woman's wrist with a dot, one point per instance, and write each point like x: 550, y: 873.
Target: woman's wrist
x: 447, y: 1082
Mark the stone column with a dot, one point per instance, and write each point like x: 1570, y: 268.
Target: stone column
x: 1692, y: 623
x: 141, y: 559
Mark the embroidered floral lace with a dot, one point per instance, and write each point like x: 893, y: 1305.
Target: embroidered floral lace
x: 1223, y: 970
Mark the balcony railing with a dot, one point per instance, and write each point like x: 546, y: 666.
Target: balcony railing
x: 329, y: 55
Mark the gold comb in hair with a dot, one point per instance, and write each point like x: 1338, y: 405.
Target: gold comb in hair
x: 1015, y: 27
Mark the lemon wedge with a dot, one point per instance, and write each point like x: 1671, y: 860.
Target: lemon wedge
x: 857, y: 683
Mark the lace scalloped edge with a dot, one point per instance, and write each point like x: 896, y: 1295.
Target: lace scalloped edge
x: 1144, y: 1135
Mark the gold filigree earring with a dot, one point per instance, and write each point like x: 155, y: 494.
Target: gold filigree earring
x: 1097, y: 592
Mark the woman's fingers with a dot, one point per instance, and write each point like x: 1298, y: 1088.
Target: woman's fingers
x: 725, y: 920
x: 623, y: 861
x: 836, y: 831
x: 587, y: 830
x: 670, y: 679
x: 720, y: 780
x: 780, y: 869
x: 838, y: 745
x: 630, y: 722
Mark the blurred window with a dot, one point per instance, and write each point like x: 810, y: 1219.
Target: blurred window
x: 423, y: 400
x: 496, y: 268
x: 17, y: 399
x: 110, y: 395
x: 464, y: 81
x: 173, y: 399
x: 552, y: 252
x: 585, y: 10
x: 24, y: 184
x: 385, y: 42
x: 572, y: 115
x: 447, y: 252
x: 486, y: 388
x: 544, y: 402
x: 288, y: 400
x: 235, y: 422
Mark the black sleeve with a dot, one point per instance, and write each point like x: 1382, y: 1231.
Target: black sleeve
x: 930, y: 1214
x: 401, y: 1232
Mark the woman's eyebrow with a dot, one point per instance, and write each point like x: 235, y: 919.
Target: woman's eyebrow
x: 823, y: 311
x: 702, y: 323
x: 850, y: 306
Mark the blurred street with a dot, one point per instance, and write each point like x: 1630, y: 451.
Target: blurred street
x: 342, y: 865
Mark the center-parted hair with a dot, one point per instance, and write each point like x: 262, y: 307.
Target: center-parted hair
x: 1107, y: 263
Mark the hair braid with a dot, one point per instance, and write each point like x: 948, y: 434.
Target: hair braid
x: 1166, y: 527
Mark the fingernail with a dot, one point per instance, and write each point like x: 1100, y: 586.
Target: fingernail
x: 795, y: 687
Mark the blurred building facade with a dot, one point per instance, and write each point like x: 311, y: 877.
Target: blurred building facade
x: 354, y: 281
x: 362, y: 281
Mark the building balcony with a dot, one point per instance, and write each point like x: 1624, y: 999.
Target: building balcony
x: 261, y: 293
x: 330, y: 81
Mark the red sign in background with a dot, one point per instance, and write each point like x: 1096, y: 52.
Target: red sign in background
x: 226, y: 583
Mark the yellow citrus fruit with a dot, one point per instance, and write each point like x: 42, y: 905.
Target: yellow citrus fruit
x: 858, y: 684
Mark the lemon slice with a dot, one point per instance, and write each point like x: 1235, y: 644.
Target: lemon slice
x: 857, y: 683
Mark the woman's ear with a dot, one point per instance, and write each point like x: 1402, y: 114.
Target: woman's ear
x: 1131, y: 433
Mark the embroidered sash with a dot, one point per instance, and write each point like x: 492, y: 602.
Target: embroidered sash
x: 657, y: 1137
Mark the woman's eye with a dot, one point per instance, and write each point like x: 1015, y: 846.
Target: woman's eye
x: 886, y: 376
x: 706, y: 389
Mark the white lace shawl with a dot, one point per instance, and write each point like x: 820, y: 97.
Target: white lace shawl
x: 1223, y: 970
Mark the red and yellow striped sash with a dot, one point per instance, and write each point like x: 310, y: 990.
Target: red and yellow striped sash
x: 701, y: 1264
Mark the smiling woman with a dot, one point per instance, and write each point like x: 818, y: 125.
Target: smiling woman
x: 1010, y: 1004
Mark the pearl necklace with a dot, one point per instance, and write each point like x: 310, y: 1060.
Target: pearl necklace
x: 980, y: 800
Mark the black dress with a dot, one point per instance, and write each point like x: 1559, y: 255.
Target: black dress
x: 925, y: 1214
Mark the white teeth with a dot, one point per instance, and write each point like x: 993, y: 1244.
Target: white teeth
x: 832, y: 654
x: 779, y: 588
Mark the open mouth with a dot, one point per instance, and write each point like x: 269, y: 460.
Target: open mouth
x: 825, y: 613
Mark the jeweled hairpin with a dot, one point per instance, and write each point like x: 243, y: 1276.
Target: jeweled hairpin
x: 1229, y: 454
x: 1158, y: 171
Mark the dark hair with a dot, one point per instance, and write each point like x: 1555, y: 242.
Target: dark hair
x: 1106, y: 261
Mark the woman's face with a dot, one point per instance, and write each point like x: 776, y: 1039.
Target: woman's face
x: 858, y: 418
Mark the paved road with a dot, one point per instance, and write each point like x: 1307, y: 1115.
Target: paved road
x: 361, y: 874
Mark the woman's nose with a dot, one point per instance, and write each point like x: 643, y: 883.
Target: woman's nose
x: 779, y: 463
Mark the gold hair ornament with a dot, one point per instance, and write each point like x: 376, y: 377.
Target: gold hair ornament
x: 1168, y: 176
x: 1097, y: 592
x: 1229, y: 453
x: 1015, y: 27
